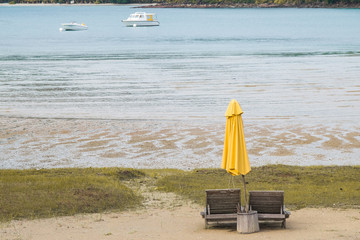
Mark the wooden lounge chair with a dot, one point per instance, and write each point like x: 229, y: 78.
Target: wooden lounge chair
x: 269, y: 205
x: 222, y: 206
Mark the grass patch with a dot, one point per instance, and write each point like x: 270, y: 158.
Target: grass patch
x: 59, y: 192
x: 319, y: 186
x: 127, y: 174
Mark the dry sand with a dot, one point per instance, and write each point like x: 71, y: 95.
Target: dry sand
x: 182, y: 222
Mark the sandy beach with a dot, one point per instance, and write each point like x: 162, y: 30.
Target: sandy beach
x: 83, y: 101
x: 167, y: 216
x: 47, y: 143
x: 182, y: 222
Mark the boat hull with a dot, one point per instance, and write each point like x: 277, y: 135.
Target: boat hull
x: 73, y: 27
x: 129, y: 23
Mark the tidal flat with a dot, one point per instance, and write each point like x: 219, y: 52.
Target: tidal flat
x: 27, y: 143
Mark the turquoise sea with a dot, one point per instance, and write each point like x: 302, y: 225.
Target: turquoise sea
x: 70, y: 98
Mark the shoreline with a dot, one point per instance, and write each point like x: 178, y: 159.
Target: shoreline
x: 72, y: 4
x: 171, y: 5
x: 252, y: 5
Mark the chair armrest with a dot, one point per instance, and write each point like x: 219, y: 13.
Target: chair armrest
x: 203, y: 214
x: 287, y: 213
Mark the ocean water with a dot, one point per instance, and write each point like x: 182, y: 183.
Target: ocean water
x: 299, y: 64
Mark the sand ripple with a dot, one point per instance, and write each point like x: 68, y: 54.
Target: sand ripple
x: 49, y: 143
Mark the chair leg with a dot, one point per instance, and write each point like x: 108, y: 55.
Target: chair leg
x: 206, y: 224
x: 283, y: 225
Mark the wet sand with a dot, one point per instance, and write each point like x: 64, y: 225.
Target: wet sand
x: 51, y: 143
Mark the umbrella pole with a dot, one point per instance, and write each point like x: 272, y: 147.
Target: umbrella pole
x: 246, y: 205
x: 231, y: 180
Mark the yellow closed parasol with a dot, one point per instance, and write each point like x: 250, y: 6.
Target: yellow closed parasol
x: 235, y: 158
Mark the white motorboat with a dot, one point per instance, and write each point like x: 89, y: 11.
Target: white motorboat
x: 141, y: 19
x: 73, y: 26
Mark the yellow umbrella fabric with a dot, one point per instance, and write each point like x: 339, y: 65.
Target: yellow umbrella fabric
x: 235, y: 158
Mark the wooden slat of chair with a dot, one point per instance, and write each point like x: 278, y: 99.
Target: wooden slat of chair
x: 269, y: 205
x: 222, y: 205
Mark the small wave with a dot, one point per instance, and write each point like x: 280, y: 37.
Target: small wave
x: 301, y: 54
x: 88, y: 57
x: 168, y: 55
x: 241, y: 39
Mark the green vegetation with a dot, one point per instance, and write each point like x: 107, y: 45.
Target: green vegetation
x: 217, y: 3
x: 304, y: 186
x: 59, y: 192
